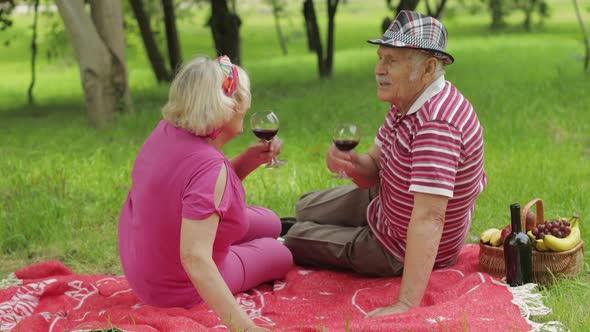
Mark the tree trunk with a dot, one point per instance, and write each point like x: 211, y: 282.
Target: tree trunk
x: 332, y: 6
x: 586, y: 37
x: 149, y: 42
x: 311, y: 28
x: 108, y: 20
x: 276, y: 13
x: 225, y: 27
x: 528, y: 13
x: 102, y: 69
x: 403, y: 5
x: 437, y: 13
x: 174, y: 55
x: 407, y: 5
x: 385, y: 24
x: 440, y: 9
x: 314, y: 35
x: 33, y: 53
x: 497, y: 14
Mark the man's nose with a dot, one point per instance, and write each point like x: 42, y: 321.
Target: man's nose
x: 379, y: 69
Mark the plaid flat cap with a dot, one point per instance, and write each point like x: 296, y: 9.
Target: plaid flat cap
x: 414, y: 30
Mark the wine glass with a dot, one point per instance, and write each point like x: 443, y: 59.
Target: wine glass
x: 265, y: 125
x: 346, y: 137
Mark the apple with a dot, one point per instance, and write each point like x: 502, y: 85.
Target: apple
x: 505, y: 231
x: 530, y: 221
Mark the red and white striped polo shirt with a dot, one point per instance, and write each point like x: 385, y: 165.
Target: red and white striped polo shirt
x: 436, y: 148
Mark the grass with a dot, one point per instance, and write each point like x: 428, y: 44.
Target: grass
x: 63, y: 184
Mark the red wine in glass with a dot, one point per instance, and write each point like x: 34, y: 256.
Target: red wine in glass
x: 346, y: 137
x: 265, y: 134
x: 345, y: 144
x: 265, y: 126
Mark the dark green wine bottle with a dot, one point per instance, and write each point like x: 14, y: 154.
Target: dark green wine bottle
x: 518, y: 255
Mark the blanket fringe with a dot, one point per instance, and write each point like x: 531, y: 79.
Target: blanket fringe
x: 530, y: 303
x: 11, y: 280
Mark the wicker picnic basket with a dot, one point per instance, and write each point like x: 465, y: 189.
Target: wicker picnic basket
x: 547, y: 265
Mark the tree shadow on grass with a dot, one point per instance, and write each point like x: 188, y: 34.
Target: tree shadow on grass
x: 66, y: 110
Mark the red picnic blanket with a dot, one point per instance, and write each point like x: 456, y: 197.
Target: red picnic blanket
x: 53, y: 298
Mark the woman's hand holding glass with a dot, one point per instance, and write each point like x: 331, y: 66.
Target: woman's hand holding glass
x: 262, y: 152
x: 265, y: 126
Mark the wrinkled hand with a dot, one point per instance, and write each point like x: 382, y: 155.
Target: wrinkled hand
x: 396, y: 308
x: 262, y: 152
x: 337, y: 160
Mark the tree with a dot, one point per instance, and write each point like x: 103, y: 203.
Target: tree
x: 33, y: 53
x: 403, y: 4
x: 149, y: 42
x: 529, y: 7
x: 98, y: 44
x: 497, y: 10
x: 500, y: 8
x: 225, y: 27
x: 278, y: 9
x: 174, y: 56
x: 6, y: 7
x: 406, y: 5
x: 155, y: 57
x: 325, y: 61
x: 586, y: 37
x: 435, y: 12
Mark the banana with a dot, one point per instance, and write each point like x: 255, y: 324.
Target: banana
x: 487, y: 234
x: 496, y: 238
x: 556, y: 244
x: 539, y: 244
x: 567, y: 243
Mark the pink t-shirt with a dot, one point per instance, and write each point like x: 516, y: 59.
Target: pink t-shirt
x: 174, y: 177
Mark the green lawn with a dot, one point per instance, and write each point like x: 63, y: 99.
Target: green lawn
x: 63, y: 184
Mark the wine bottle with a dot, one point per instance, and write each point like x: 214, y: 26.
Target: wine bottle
x: 518, y: 256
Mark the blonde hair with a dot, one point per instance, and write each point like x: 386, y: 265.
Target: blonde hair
x: 196, y: 101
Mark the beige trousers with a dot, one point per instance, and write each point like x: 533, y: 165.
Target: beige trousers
x: 332, y: 232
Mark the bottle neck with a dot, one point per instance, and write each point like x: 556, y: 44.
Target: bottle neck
x: 515, y: 218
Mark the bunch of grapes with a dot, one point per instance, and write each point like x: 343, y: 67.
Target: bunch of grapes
x: 557, y: 227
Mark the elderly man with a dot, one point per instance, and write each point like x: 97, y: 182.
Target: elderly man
x: 418, y: 182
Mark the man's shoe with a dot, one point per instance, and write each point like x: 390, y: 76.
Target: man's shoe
x: 286, y: 224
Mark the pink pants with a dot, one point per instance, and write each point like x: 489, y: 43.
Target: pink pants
x: 258, y: 257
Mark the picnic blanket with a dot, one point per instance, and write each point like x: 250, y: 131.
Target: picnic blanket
x: 50, y: 297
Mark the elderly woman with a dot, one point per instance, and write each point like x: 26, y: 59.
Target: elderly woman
x: 186, y: 234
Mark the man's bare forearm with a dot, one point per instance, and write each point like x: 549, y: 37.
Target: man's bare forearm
x: 421, y: 250
x: 366, y: 168
x: 366, y: 172
x: 424, y: 234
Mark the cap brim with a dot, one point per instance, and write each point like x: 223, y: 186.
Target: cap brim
x: 444, y: 56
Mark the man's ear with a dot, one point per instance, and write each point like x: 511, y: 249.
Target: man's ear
x: 430, y: 67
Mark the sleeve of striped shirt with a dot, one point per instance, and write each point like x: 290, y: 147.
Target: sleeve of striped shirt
x: 436, y: 151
